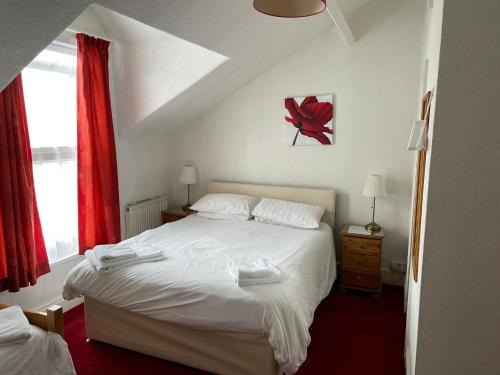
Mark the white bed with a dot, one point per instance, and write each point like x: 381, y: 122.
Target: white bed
x: 192, y: 288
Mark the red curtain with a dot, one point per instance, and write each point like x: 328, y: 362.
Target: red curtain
x: 98, y: 201
x: 23, y: 257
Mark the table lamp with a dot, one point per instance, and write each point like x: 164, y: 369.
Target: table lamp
x: 374, y: 187
x: 188, y: 177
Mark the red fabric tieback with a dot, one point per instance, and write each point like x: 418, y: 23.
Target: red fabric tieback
x: 98, y: 198
x: 23, y: 257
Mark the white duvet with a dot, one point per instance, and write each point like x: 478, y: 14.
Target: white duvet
x: 44, y: 353
x: 192, y: 286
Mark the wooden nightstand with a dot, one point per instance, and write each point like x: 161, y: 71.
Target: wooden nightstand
x: 174, y: 214
x: 360, y: 260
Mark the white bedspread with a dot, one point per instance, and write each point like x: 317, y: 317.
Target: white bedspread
x: 44, y: 353
x: 192, y: 286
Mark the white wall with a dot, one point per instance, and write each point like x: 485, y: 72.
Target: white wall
x: 142, y: 169
x: 376, y: 82
x: 142, y: 160
x: 47, y: 290
x: 149, y: 67
x: 458, y: 319
x: 430, y: 79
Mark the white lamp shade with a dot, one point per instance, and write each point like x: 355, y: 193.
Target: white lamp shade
x: 188, y: 175
x: 375, y: 186
x: 290, y: 8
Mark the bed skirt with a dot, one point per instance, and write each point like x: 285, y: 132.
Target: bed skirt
x: 220, y: 352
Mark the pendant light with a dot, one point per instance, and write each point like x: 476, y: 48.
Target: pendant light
x: 290, y: 8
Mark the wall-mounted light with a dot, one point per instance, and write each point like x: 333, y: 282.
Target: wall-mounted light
x: 290, y: 8
x: 418, y: 135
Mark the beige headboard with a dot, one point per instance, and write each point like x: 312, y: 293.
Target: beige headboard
x: 320, y: 197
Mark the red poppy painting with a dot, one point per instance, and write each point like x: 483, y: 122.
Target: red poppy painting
x: 310, y: 120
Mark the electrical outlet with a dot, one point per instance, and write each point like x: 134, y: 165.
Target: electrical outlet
x: 397, y: 266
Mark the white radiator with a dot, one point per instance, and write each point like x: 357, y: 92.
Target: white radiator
x: 143, y: 215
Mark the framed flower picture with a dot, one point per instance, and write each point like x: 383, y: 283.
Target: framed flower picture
x: 310, y: 120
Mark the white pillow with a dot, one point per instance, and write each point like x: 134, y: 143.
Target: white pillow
x: 227, y: 204
x: 295, y: 215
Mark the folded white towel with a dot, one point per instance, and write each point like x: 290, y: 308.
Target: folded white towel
x: 261, y: 268
x: 260, y: 280
x: 259, y: 272
x: 141, y: 256
x: 124, y: 264
x: 14, y: 327
x: 149, y: 253
x: 108, y: 253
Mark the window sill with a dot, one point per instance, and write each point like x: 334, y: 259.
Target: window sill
x: 65, y: 260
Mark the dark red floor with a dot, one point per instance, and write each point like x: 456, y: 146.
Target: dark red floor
x: 352, y: 334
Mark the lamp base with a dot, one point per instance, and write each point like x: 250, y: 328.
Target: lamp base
x: 373, y: 227
x: 186, y: 207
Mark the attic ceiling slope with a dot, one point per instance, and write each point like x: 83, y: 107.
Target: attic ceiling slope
x: 27, y: 27
x: 223, y: 26
x: 148, y: 67
x: 251, y: 41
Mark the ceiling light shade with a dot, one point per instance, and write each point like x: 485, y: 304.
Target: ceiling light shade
x: 290, y: 8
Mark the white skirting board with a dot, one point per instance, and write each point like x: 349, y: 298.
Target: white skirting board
x: 408, y: 369
x: 392, y: 278
x: 66, y: 305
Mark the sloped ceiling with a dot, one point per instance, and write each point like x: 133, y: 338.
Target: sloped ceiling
x: 148, y: 67
x: 251, y: 41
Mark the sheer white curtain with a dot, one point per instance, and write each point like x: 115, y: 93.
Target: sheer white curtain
x: 50, y: 95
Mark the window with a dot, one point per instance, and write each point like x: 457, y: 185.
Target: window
x: 50, y: 94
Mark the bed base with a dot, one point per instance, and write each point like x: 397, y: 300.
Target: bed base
x: 52, y: 320
x: 220, y: 352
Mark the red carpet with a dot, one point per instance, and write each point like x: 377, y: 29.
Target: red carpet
x: 352, y: 334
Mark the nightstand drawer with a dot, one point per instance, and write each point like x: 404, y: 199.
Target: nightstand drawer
x: 368, y: 263
x: 361, y: 245
x: 360, y: 279
x: 168, y: 218
x: 174, y: 214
